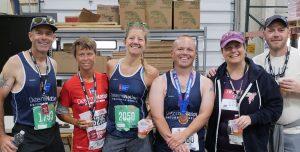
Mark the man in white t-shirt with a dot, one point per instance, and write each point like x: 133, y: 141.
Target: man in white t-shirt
x: 282, y: 62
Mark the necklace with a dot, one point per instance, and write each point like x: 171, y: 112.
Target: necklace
x: 43, y: 79
x: 90, y: 105
x: 237, y: 93
x: 282, y: 73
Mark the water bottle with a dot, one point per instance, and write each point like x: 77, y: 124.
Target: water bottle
x: 18, y: 138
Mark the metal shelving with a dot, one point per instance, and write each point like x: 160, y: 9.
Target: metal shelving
x: 199, y: 35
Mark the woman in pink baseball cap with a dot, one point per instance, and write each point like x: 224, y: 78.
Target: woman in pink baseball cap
x: 247, y: 101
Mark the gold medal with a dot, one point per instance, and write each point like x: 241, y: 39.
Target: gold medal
x: 183, y: 119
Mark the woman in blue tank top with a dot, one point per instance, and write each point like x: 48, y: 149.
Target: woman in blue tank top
x: 130, y: 78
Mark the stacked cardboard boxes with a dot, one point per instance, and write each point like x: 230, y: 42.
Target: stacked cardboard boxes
x: 157, y: 54
x: 131, y: 11
x: 293, y: 10
x: 108, y: 13
x: 161, y: 14
x: 186, y: 14
x: 66, y: 63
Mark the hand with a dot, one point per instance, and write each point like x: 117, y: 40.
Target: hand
x: 6, y: 144
x: 149, y: 125
x: 243, y: 121
x: 182, y: 148
x: 83, y: 124
x: 289, y: 85
x: 211, y: 72
x: 176, y: 139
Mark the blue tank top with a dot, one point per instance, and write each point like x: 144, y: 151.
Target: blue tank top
x: 30, y: 95
x: 172, y: 111
x: 126, y: 90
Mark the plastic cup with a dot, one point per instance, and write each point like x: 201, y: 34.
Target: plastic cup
x: 142, y: 128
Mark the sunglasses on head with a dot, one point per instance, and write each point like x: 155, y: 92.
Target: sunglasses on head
x: 38, y: 20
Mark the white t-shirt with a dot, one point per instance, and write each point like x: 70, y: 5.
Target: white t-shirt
x: 291, y: 101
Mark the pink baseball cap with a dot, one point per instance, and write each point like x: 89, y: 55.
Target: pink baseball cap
x: 231, y: 36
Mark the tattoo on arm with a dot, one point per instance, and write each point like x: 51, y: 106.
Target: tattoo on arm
x: 2, y: 81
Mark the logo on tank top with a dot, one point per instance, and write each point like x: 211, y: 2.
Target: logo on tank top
x: 123, y: 87
x: 32, y: 80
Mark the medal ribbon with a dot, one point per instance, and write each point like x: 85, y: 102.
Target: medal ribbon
x: 183, y: 103
x: 90, y: 105
x: 42, y: 83
x: 279, y: 75
x: 238, y: 93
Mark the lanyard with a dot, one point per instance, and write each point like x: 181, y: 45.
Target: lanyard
x: 42, y: 83
x: 278, y: 75
x: 90, y: 105
x: 182, y: 103
x: 239, y: 93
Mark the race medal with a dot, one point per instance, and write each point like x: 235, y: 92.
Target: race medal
x: 43, y: 118
x: 183, y: 102
x: 183, y: 119
x: 126, y: 117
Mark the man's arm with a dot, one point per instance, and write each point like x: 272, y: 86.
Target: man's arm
x: 7, y: 80
x: 207, y: 103
x: 156, y: 102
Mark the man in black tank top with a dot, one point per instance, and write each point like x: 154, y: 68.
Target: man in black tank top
x: 30, y: 76
x: 181, y: 102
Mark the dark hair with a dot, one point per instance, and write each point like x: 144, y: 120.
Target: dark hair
x: 84, y: 43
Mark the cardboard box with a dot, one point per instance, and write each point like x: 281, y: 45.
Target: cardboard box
x: 88, y: 16
x: 130, y: 11
x: 186, y: 14
x: 293, y: 10
x: 159, y: 14
x: 108, y: 13
x: 66, y: 63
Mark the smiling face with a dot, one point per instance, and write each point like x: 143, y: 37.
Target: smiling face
x: 85, y: 58
x: 276, y: 35
x: 135, y: 41
x: 184, y: 52
x: 234, y: 52
x: 41, y: 38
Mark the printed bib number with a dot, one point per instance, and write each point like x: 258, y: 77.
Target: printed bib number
x: 229, y: 104
x: 97, y: 131
x: 192, y: 141
x: 43, y: 116
x: 126, y: 117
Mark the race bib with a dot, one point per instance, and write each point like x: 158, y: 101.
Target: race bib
x: 44, y: 116
x: 192, y: 141
x: 97, y: 132
x: 229, y: 104
x: 126, y: 117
